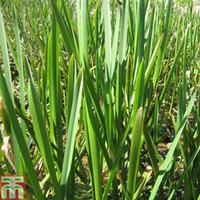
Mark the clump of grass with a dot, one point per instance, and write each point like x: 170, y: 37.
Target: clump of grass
x: 101, y: 85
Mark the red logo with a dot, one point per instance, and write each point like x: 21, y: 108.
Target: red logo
x: 12, y: 187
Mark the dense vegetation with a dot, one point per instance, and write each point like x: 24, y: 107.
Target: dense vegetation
x: 101, y: 99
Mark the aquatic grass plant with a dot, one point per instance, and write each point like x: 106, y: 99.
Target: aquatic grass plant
x: 102, y: 98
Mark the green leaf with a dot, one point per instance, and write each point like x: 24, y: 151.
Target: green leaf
x: 165, y: 165
x: 108, y: 34
x: 71, y: 131
x: 19, y: 136
x: 41, y: 135
x: 136, y: 144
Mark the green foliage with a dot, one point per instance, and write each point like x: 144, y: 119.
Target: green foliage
x: 101, y: 99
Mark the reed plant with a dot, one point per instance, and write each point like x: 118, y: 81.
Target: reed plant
x: 101, y: 99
